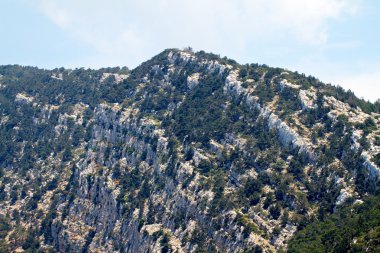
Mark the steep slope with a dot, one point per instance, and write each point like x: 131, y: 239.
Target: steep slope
x: 188, y: 152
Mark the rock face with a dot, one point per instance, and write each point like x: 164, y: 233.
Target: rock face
x: 307, y: 98
x: 187, y: 152
x: 287, y: 136
x: 23, y: 98
x: 193, y: 80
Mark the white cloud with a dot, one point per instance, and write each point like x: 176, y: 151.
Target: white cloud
x: 125, y: 32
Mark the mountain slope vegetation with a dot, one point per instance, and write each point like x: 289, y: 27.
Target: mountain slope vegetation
x: 189, y: 152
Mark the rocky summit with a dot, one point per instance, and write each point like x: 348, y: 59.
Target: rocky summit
x: 188, y: 152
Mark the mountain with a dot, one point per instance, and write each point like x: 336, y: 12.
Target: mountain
x: 189, y: 152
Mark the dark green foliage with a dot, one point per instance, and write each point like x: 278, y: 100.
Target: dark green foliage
x: 200, y: 116
x: 288, y: 102
x: 265, y: 91
x: 145, y: 190
x: 220, y: 201
x: 251, y: 187
x: 46, y: 226
x: 296, y: 168
x: 254, y: 199
x: 189, y: 154
x: 255, y: 249
x: 205, y: 166
x: 3, y: 194
x: 89, y: 238
x: 275, y: 211
x: 377, y: 141
x: 198, y: 237
x: 116, y: 173
x: 249, y: 226
x: 377, y: 159
x: 338, y: 231
x: 32, y: 204
x: 31, y: 242
x: 28, y: 240
x: 268, y: 200
x: 165, y: 244
x: 211, y: 56
x: 4, y: 229
x: 141, y: 224
x: 52, y: 184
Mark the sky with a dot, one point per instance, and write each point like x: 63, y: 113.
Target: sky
x: 337, y: 41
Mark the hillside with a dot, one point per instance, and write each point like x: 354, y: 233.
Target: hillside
x: 189, y: 152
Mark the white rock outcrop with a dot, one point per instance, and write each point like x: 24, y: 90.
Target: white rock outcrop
x: 24, y: 98
x: 307, y: 98
x: 57, y: 76
x: 338, y: 108
x: 118, y: 77
x: 285, y: 83
x: 373, y: 170
x: 184, y: 56
x: 212, y: 66
x: 343, y: 196
x: 193, y: 80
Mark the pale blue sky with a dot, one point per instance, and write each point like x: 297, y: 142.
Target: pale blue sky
x: 338, y: 41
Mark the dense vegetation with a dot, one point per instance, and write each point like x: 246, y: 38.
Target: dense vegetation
x: 351, y: 229
x: 69, y: 140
